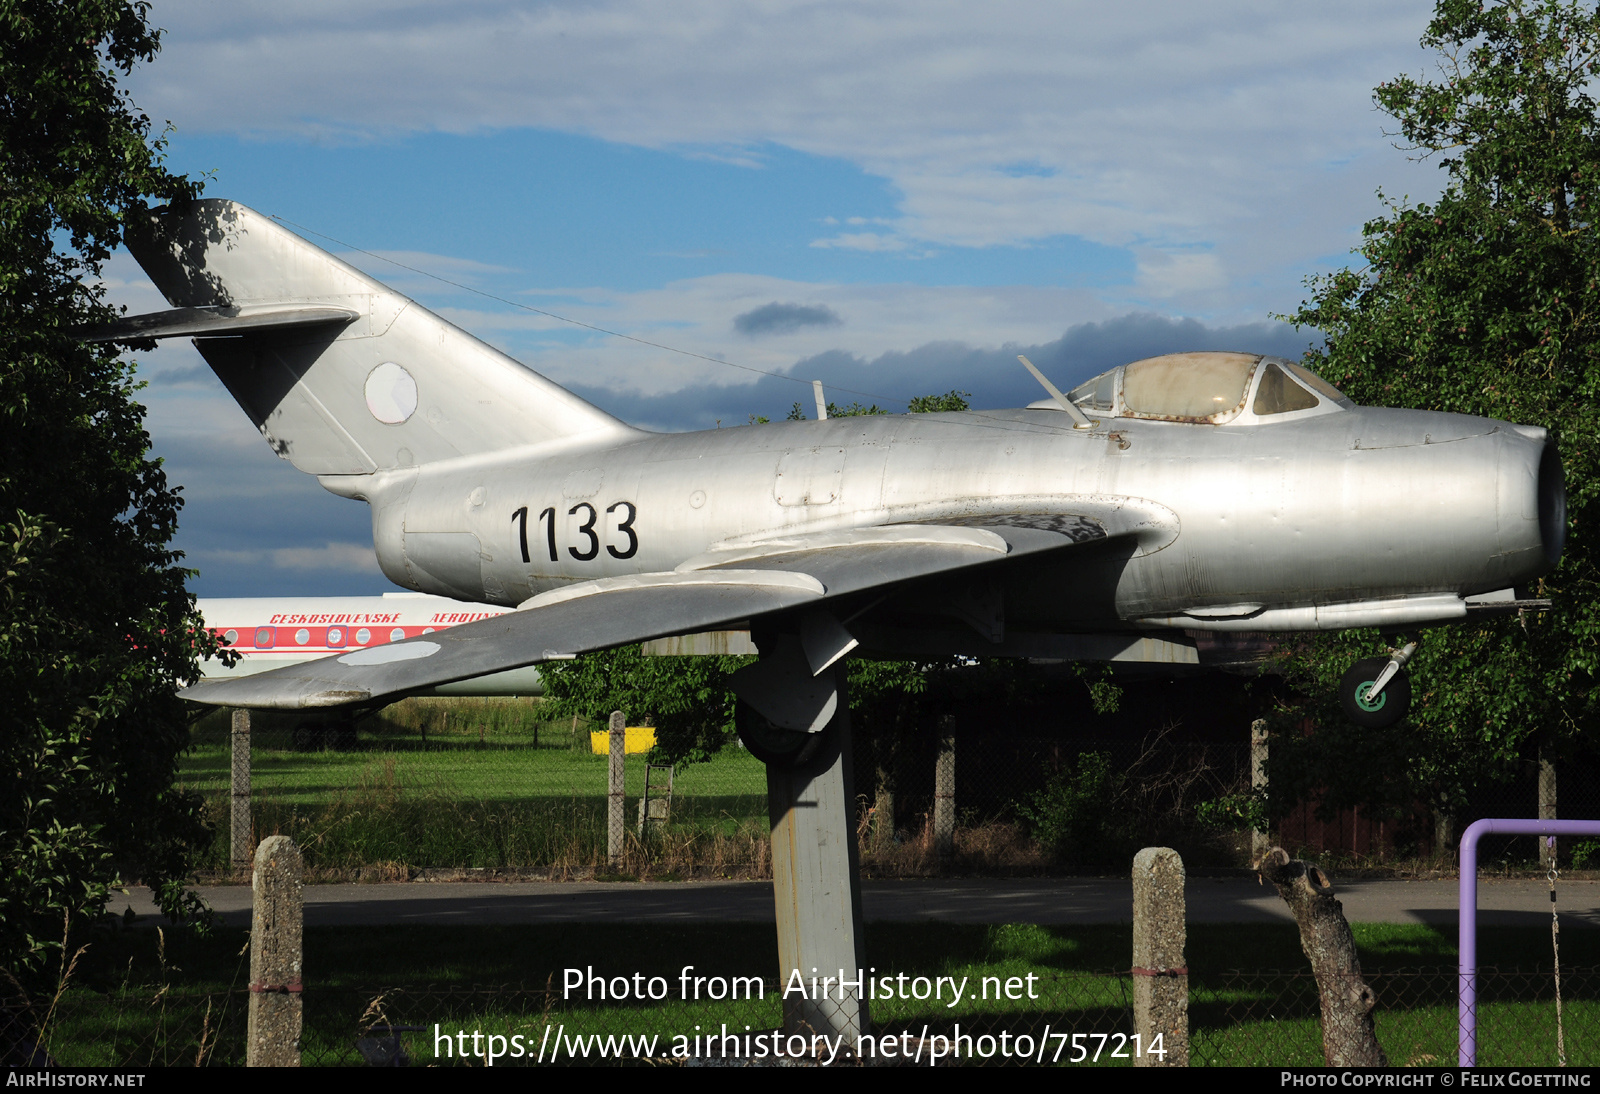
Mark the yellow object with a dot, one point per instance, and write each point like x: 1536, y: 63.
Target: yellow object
x: 635, y: 739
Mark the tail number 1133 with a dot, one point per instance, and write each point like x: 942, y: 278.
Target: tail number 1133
x: 588, y: 544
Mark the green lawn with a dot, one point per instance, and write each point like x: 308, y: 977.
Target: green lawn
x: 494, y: 773
x: 395, y: 801
x: 456, y: 977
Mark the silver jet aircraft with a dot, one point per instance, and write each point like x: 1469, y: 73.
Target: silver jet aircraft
x: 1174, y: 495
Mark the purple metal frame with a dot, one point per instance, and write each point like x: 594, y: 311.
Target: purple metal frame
x: 1467, y: 1008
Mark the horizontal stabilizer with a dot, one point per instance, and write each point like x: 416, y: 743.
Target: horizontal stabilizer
x: 214, y: 322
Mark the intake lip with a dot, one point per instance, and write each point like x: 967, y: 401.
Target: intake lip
x: 1552, y: 503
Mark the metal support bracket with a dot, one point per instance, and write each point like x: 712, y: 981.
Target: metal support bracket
x: 1397, y: 661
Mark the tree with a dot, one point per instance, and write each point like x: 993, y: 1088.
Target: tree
x: 685, y: 698
x: 1486, y: 301
x: 920, y: 404
x: 96, y: 628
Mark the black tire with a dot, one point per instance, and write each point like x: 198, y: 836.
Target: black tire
x: 309, y: 737
x: 343, y: 735
x: 1393, y: 702
x: 771, y: 744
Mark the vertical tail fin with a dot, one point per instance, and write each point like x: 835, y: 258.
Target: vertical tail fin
x: 389, y: 385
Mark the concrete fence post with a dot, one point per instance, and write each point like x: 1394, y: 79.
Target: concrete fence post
x: 1260, y: 838
x: 239, y: 810
x: 275, y: 955
x: 615, y: 822
x: 1160, y: 973
x: 944, y: 790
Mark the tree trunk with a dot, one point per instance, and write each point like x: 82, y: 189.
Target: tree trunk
x: 886, y: 755
x: 1547, y: 802
x: 1349, y: 1038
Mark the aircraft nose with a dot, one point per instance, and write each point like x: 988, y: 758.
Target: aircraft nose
x: 1532, y: 503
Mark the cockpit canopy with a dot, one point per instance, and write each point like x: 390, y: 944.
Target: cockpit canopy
x: 1208, y: 387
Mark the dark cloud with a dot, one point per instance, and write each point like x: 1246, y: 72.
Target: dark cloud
x: 241, y: 504
x: 200, y: 373
x: 778, y: 318
x: 992, y: 376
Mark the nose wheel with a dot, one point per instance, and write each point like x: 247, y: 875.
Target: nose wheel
x: 1376, y: 691
x: 772, y: 744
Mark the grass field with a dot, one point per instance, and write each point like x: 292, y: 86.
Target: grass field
x: 489, y: 750
x: 457, y: 977
x: 733, y: 781
x: 473, y: 783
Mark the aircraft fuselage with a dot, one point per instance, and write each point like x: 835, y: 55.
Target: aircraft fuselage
x: 1249, y: 526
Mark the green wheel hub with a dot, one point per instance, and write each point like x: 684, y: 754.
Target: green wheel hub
x: 1361, y: 696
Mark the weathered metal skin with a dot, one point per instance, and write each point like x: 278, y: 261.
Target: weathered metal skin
x: 1364, y: 504
x: 1274, y: 509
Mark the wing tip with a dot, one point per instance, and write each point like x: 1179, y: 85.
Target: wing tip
x: 239, y: 693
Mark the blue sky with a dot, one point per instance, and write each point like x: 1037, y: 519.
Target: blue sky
x: 895, y: 198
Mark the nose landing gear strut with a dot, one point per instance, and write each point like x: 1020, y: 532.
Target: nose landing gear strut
x: 1376, y: 692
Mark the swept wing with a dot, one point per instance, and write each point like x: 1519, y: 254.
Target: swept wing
x: 720, y: 587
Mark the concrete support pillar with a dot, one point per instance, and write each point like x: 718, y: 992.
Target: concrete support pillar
x: 816, y: 882
x: 275, y: 955
x: 1260, y: 839
x: 1160, y: 973
x: 1547, y: 802
x: 944, y: 790
x: 239, y: 829
x: 616, y: 822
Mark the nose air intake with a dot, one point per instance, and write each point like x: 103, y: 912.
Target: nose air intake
x: 1552, y: 504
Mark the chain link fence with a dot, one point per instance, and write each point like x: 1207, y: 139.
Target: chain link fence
x: 485, y: 784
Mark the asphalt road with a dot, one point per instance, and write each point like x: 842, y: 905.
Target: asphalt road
x: 1047, y: 901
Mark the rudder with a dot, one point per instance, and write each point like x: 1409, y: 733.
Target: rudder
x: 387, y: 384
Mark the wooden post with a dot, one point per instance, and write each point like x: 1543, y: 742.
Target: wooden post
x: 1260, y: 839
x: 944, y: 790
x: 239, y: 811
x: 1160, y: 973
x: 1444, y: 832
x: 1349, y: 1037
x: 1547, y: 802
x: 275, y: 955
x: 615, y: 822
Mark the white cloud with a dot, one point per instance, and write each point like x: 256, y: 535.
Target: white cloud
x: 356, y: 558
x: 330, y: 558
x: 1154, y: 123
x: 863, y: 241
x: 1164, y: 274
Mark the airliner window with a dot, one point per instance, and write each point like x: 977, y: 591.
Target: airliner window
x: 1277, y: 394
x: 1194, y: 387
